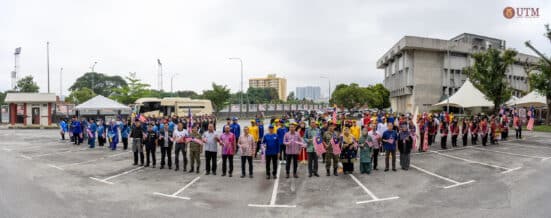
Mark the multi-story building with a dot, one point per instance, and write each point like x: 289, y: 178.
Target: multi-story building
x: 271, y: 81
x: 423, y: 71
x: 308, y: 92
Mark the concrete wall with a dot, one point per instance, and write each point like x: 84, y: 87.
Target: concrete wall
x: 427, y: 68
x: 43, y: 113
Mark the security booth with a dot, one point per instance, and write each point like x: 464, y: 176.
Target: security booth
x: 30, y: 109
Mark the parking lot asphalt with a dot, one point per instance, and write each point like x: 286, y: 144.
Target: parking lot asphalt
x: 42, y: 176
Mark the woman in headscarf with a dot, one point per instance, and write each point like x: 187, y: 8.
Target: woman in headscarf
x: 349, y: 150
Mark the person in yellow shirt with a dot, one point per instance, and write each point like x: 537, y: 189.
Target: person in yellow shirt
x: 253, y: 131
x: 277, y: 124
x: 355, y: 130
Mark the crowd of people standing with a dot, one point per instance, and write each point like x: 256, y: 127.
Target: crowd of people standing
x: 339, y: 142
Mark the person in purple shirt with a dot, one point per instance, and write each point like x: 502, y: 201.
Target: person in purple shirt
x: 292, y: 142
x: 389, y: 144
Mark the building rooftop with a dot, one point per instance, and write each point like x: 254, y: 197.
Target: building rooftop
x: 30, y: 97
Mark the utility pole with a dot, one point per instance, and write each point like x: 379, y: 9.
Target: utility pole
x: 60, y: 83
x: 241, y: 94
x: 48, y: 63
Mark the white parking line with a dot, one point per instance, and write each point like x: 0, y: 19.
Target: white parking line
x: 374, y: 198
x: 85, y: 162
x: 506, y: 170
x: 175, y: 194
x: 455, y: 183
x: 512, y: 154
x: 274, y: 196
x: 526, y: 146
x: 115, y: 176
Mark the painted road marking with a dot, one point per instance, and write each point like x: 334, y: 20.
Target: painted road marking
x: 505, y: 169
x: 85, y: 162
x: 175, y: 194
x: 512, y: 154
x: 374, y: 198
x: 106, y: 180
x: 274, y: 196
x: 455, y: 183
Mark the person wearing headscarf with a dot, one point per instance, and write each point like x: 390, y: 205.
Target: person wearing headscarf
x: 405, y: 143
x: 366, y: 144
x: 113, y: 134
x: 349, y: 151
x: 454, y: 130
x: 464, y: 131
x: 91, y: 131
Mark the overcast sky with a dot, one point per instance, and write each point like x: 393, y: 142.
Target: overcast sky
x: 299, y: 40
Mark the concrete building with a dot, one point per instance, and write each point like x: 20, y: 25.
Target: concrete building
x: 308, y: 93
x: 422, y: 71
x: 271, y: 81
x: 30, y: 109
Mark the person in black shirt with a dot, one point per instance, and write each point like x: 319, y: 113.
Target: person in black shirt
x: 150, y: 145
x: 137, y: 146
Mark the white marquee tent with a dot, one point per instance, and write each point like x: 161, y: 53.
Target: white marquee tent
x: 102, y: 105
x: 512, y: 101
x: 533, y: 98
x: 467, y: 96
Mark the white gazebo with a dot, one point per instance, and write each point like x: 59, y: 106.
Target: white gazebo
x: 533, y: 98
x: 467, y: 96
x: 512, y: 101
x: 100, y: 105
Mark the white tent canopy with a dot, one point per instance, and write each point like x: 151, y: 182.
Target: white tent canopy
x: 102, y: 104
x: 512, y: 101
x: 533, y: 98
x: 467, y: 96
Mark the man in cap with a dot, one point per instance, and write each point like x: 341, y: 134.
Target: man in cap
x: 271, y: 151
x: 195, y: 148
x: 330, y: 157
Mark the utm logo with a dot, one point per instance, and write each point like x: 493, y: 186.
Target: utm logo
x: 521, y: 12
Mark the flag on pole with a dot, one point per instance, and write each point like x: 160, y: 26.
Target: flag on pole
x: 334, y: 119
x: 190, y: 117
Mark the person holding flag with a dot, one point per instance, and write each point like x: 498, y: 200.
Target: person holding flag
x: 366, y: 144
x: 227, y: 141
x: 195, y: 148
x: 331, y: 158
x: 179, y: 138
x: 271, y: 151
x: 247, y: 147
x: 312, y: 136
x: 293, y: 143
x: 349, y: 151
x: 389, y: 143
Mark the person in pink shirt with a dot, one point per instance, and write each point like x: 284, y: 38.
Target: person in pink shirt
x: 293, y: 142
x: 247, y: 146
x: 376, y: 144
x: 227, y: 141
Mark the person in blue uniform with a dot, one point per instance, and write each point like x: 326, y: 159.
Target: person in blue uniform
x: 77, y: 130
x: 101, y: 133
x: 125, y: 132
x: 113, y: 133
x: 271, y: 151
x: 92, y: 128
x: 280, y: 135
x: 260, y: 135
x: 62, y: 128
x: 389, y: 143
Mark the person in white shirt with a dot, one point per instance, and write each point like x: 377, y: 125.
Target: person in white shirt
x: 211, y: 139
x: 247, y: 147
x: 179, y: 136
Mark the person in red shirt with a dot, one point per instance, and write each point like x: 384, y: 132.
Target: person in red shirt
x: 474, y: 131
x: 464, y: 130
x: 444, y: 134
x: 518, y: 127
x: 504, y: 128
x: 493, y: 129
x: 483, y: 131
x: 454, y: 129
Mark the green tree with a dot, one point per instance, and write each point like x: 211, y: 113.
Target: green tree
x: 540, y: 81
x: 27, y: 84
x: 291, y: 97
x: 79, y: 96
x: 378, y: 96
x: 261, y: 95
x: 133, y: 91
x: 489, y: 74
x: 219, y: 96
x: 349, y: 96
x: 187, y: 94
x: 100, y: 83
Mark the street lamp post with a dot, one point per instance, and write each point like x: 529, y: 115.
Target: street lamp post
x: 241, y: 94
x: 447, y: 92
x: 329, y: 80
x: 171, y: 81
x: 48, y: 63
x: 92, y: 68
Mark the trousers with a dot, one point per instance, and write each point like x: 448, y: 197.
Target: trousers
x: 291, y: 158
x: 210, y: 161
x: 375, y: 158
x: 137, y: 148
x: 150, y: 153
x: 180, y: 148
x: 387, y: 156
x: 244, y: 160
x: 404, y: 161
x: 465, y: 139
x: 365, y: 167
x: 225, y: 159
x: 331, y: 158
x: 312, y: 162
x: 166, y: 152
x: 194, y: 155
x: 454, y: 140
x: 271, y: 159
x: 125, y: 143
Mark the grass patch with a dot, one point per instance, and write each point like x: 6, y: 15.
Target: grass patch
x: 540, y: 128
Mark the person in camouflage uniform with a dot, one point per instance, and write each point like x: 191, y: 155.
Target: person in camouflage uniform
x: 330, y: 157
x: 195, y: 148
